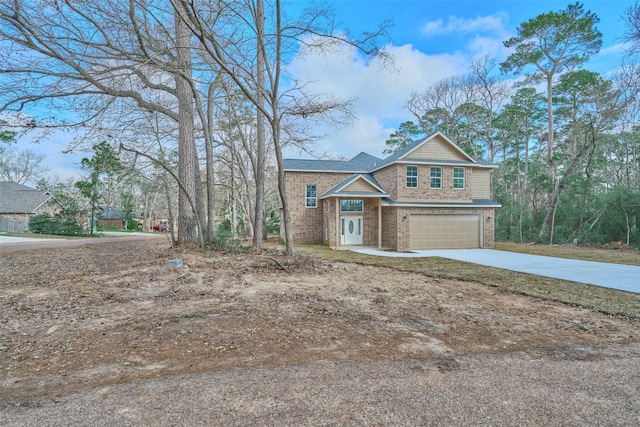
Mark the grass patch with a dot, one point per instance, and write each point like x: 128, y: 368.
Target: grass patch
x: 188, y: 317
x: 609, y: 301
x: 614, y: 256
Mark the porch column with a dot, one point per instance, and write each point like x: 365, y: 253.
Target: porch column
x: 337, y: 222
x: 379, y: 224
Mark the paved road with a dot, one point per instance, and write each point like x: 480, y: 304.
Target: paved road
x: 10, y: 244
x: 616, y: 276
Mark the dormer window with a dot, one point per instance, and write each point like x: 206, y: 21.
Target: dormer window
x: 436, y: 177
x: 412, y: 176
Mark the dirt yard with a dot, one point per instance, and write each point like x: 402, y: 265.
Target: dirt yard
x: 77, y: 319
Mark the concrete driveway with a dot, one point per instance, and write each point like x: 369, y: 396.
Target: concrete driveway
x: 616, y: 276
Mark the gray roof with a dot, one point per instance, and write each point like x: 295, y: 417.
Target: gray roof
x: 107, y: 212
x: 20, y: 199
x: 481, y: 203
x: 364, y: 163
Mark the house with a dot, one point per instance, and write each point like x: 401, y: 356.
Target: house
x: 109, y: 217
x: 429, y: 195
x: 19, y: 202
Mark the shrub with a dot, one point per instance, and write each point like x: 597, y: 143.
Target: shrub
x: 41, y: 224
x: 46, y: 224
x: 224, y: 238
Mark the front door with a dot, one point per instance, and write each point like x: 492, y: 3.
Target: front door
x: 351, y: 230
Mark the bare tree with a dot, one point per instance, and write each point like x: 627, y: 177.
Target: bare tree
x: 108, y: 49
x: 236, y: 45
x: 631, y: 19
x: 464, y: 107
x: 22, y: 166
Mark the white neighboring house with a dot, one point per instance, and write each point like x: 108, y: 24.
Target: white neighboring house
x: 19, y: 202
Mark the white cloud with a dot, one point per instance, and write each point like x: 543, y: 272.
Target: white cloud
x: 379, y: 91
x: 60, y: 165
x: 482, y: 24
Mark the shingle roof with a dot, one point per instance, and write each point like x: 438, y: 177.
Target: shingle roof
x: 362, y: 163
x: 485, y: 203
x: 365, y: 163
x: 20, y: 199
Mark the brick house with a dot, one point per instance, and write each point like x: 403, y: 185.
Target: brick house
x: 18, y: 203
x: 429, y: 195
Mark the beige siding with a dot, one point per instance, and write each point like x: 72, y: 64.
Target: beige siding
x: 437, y: 148
x: 360, y: 185
x: 481, y: 184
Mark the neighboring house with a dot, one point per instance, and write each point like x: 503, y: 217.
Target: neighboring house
x: 19, y: 202
x: 114, y: 218
x: 110, y: 217
x: 429, y: 195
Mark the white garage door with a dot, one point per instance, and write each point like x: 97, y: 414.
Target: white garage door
x: 445, y: 231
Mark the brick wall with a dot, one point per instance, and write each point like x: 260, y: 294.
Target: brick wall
x: 388, y: 178
x: 393, y: 179
x: 307, y: 223
x: 389, y: 227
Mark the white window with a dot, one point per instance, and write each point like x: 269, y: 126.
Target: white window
x: 312, y: 196
x: 458, y: 178
x: 436, y: 177
x: 412, y: 177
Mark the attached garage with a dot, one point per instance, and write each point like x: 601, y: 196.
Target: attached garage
x: 440, y: 231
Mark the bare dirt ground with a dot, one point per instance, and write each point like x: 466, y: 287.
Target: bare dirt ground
x: 76, y: 320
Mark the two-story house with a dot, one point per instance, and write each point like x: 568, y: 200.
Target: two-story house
x: 429, y: 195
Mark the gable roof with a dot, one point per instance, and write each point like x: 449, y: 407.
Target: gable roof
x: 362, y: 163
x: 342, y: 189
x: 402, y: 154
x: 365, y: 163
x: 20, y: 199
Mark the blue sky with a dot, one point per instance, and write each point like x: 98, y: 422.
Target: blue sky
x: 430, y: 40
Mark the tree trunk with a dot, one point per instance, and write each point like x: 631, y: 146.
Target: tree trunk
x: 555, y: 192
x: 549, y: 217
x: 170, y: 210
x: 551, y: 203
x: 261, y: 134
x: 285, y: 221
x: 211, y: 192
x: 187, y: 156
x: 234, y: 206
